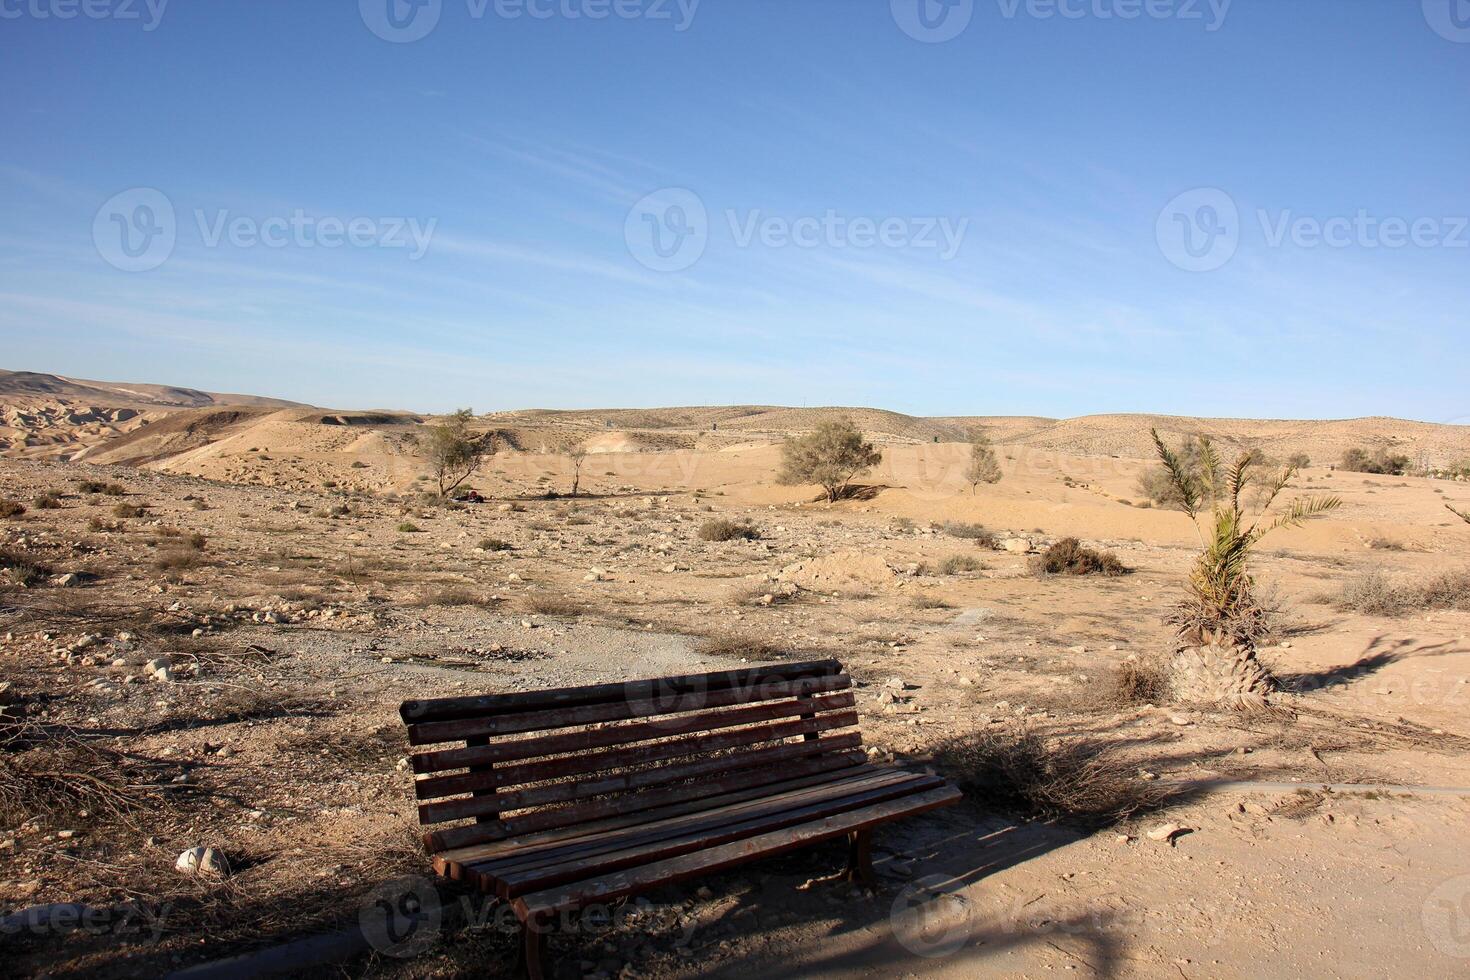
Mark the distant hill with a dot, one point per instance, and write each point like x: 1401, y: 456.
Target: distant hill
x: 114, y: 394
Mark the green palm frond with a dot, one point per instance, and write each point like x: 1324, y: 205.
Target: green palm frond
x: 1179, y: 476
x: 1300, y: 510
x: 1240, y: 477
x: 1209, y: 461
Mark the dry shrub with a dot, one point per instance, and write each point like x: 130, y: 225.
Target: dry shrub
x: 977, y: 533
x: 1375, y: 594
x: 737, y: 647
x: 11, y: 508
x: 19, y: 568
x: 130, y: 510
x: 452, y: 596
x: 1074, y: 780
x: 1138, y: 681
x: 1069, y: 557
x: 553, y: 605
x: 57, y: 780
x: 724, y: 530
x: 177, y: 558
x: 1385, y: 544
x: 46, y: 501
x: 495, y: 544
x: 927, y: 601
x: 955, y: 564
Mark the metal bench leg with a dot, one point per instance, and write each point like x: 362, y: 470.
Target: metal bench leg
x: 860, y: 859
x: 533, y: 948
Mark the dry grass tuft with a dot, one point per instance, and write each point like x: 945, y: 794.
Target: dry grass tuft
x: 553, y: 605
x: 1140, y: 681
x: 1072, y: 780
x: 724, y: 530
x: 737, y: 647
x: 1375, y: 594
x: 1069, y: 557
x: 970, y: 532
x: 956, y: 564
x: 21, y: 569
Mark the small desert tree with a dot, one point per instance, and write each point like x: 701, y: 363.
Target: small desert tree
x: 1220, y: 620
x: 578, y: 455
x: 983, y: 467
x: 453, y: 452
x: 830, y: 456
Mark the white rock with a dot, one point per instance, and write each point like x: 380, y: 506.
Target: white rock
x: 203, y: 860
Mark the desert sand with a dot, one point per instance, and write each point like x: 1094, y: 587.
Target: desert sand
x: 323, y: 588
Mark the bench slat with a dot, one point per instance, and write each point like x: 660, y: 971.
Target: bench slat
x: 521, y: 799
x: 510, y: 724
x: 560, y: 836
x: 621, y: 734
x: 652, y: 827
x: 627, y: 882
x: 479, y: 706
x: 619, y: 758
x: 710, y: 830
x: 455, y: 837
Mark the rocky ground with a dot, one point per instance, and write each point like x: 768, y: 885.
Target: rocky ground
x: 195, y: 664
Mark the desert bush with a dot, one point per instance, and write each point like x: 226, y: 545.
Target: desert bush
x: 553, y: 605
x: 721, y: 529
x: 1138, y: 681
x: 1376, y: 594
x: 738, y: 647
x: 358, y: 464
x: 11, y: 508
x: 452, y: 596
x: 1073, y: 780
x: 1385, y: 544
x: 1381, y: 461
x: 1069, y: 557
x: 177, y: 558
x: 1298, y: 461
x: 130, y: 510
x: 408, y: 527
x: 95, y: 523
x: 925, y: 600
x: 830, y: 456
x: 97, y: 486
x: 977, y: 533
x: 495, y: 544
x: 983, y: 466
x: 955, y: 564
x: 19, y: 568
x: 46, y: 501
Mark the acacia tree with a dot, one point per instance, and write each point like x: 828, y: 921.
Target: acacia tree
x: 578, y: 455
x: 829, y: 456
x: 453, y: 452
x: 1220, y: 621
x: 983, y: 467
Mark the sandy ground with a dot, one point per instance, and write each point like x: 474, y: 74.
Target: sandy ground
x: 312, y: 610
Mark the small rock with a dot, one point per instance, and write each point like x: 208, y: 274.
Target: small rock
x: 203, y: 860
x: 1169, y: 832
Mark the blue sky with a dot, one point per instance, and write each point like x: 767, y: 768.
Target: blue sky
x: 1058, y: 211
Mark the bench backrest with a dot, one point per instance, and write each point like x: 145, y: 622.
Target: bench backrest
x: 540, y: 760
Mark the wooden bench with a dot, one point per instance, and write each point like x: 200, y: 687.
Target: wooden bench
x: 563, y: 798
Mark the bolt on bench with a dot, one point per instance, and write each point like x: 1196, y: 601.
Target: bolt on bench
x: 585, y: 795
